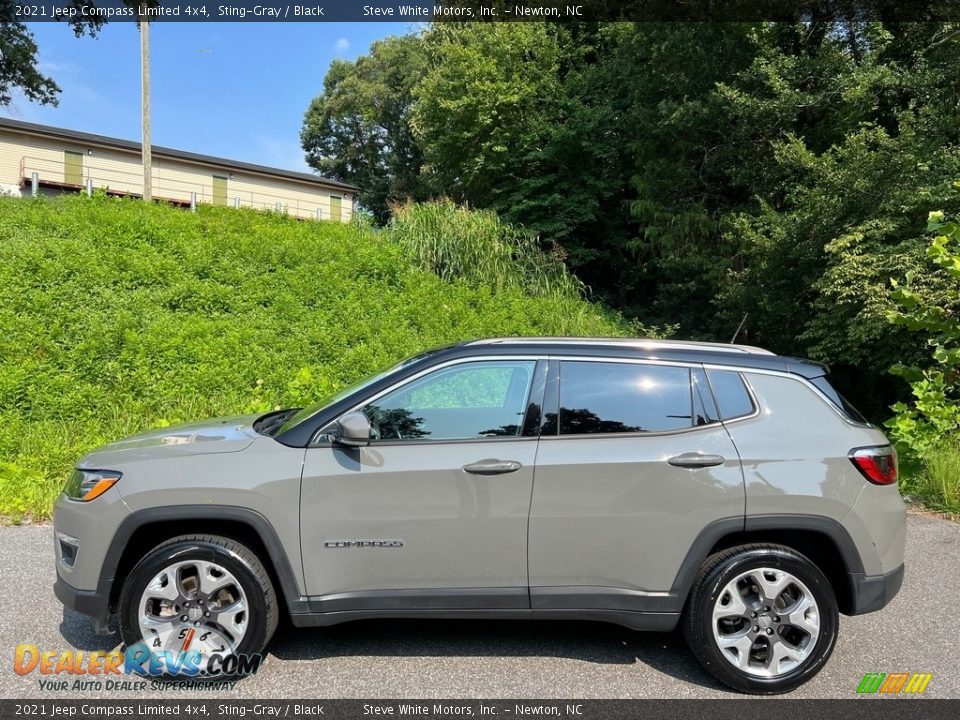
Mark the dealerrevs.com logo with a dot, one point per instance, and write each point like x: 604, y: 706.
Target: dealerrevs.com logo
x: 894, y: 683
x: 118, y: 670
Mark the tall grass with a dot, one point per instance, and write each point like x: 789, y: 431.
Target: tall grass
x: 456, y: 243
x: 937, y: 480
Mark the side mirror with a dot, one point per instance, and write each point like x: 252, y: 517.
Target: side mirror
x: 353, y: 430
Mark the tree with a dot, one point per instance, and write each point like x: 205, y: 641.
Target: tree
x: 694, y: 173
x: 358, y: 129
x: 508, y: 121
x: 18, y: 68
x: 860, y: 128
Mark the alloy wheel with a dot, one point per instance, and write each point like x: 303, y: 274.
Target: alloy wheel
x: 193, y: 605
x: 766, y: 622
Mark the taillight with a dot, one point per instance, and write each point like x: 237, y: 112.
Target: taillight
x: 876, y: 464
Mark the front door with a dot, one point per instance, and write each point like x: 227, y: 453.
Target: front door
x: 632, y: 465
x: 433, y: 513
x: 72, y: 168
x: 219, y: 190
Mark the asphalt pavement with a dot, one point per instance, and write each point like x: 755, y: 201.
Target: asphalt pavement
x: 918, y: 632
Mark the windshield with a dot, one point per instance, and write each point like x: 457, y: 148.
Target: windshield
x: 331, y: 399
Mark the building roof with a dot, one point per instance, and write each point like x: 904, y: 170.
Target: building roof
x: 165, y: 152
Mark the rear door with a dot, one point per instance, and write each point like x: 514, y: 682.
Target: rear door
x: 632, y: 465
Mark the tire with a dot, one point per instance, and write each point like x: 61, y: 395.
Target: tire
x: 765, y: 652
x: 168, y: 580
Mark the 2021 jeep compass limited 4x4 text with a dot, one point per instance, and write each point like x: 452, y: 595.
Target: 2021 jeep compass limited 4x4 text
x: 647, y: 483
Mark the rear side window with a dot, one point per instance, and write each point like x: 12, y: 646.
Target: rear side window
x: 733, y: 399
x: 824, y: 386
x: 603, y: 397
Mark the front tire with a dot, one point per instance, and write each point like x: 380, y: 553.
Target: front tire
x: 761, y: 619
x: 201, y: 593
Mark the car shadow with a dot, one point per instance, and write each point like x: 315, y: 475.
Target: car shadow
x: 77, y: 630
x: 584, y: 641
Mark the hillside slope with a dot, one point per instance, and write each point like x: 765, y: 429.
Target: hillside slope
x: 115, y: 316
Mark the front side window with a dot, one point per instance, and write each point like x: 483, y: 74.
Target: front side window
x: 605, y: 397
x: 461, y: 402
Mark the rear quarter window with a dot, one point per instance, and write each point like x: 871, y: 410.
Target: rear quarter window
x: 730, y: 391
x: 838, y: 400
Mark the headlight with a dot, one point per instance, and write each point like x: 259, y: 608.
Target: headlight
x: 85, y: 485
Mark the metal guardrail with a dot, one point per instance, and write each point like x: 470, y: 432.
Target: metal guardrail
x: 51, y: 171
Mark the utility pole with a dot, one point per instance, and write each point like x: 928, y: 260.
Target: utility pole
x: 145, y: 106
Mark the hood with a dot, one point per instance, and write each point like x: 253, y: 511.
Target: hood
x: 216, y: 435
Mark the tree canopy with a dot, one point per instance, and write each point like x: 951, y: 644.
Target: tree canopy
x: 18, y: 51
x: 692, y: 173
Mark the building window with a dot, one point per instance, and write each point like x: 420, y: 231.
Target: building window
x: 219, y: 190
x: 335, y: 205
x: 72, y: 168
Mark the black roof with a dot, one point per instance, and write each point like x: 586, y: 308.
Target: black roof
x: 165, y: 152
x: 647, y: 348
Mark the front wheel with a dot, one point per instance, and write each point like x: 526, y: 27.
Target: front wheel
x: 761, y: 619
x: 200, y: 594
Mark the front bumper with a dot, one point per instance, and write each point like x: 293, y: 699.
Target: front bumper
x: 873, y: 592
x: 94, y: 603
x: 82, y: 537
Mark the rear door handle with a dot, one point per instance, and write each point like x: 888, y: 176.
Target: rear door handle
x: 696, y: 460
x: 492, y: 467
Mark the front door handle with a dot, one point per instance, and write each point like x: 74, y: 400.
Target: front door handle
x: 492, y: 467
x: 696, y: 460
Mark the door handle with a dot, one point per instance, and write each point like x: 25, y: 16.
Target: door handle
x: 696, y: 460
x: 492, y: 467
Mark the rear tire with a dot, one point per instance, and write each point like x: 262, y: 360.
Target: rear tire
x: 762, y: 619
x: 202, y: 592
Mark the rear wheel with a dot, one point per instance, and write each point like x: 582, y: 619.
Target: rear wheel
x: 761, y: 618
x: 199, y: 593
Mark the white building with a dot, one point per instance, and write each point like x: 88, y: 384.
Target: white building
x: 52, y: 160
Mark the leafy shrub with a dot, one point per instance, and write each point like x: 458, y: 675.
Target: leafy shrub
x: 934, y: 416
x: 116, y: 316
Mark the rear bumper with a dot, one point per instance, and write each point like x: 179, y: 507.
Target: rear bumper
x: 873, y: 592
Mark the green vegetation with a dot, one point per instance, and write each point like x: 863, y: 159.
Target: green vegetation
x: 927, y: 430
x: 696, y: 175
x: 456, y: 243
x: 936, y: 483
x: 691, y: 173
x: 115, y: 317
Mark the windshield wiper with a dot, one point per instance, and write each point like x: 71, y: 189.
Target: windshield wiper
x: 271, y: 422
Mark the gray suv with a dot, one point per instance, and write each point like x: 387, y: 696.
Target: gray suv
x: 647, y: 483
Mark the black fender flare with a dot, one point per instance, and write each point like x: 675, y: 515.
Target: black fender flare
x: 717, y: 530
x: 277, y: 555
